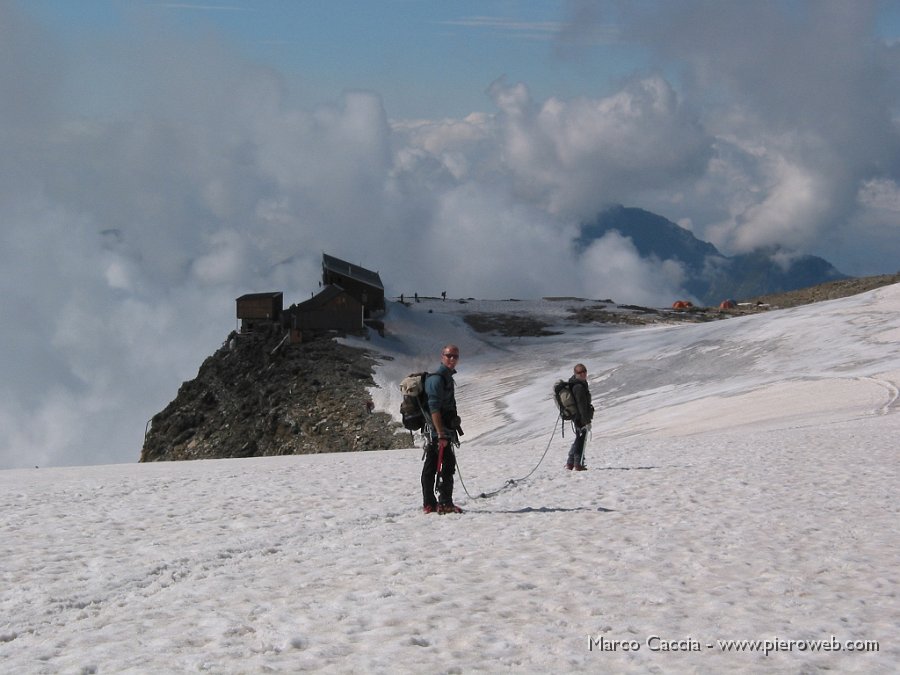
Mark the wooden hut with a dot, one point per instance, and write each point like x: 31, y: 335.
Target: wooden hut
x: 360, y: 283
x: 254, y: 309
x: 333, y: 308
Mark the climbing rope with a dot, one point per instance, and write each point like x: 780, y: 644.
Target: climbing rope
x: 512, y: 482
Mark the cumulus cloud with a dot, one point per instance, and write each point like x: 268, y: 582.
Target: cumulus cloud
x: 802, y: 100
x: 576, y: 155
x: 127, y: 229
x: 613, y: 264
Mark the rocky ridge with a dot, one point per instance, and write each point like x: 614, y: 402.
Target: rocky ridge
x: 259, y: 396
x: 831, y: 290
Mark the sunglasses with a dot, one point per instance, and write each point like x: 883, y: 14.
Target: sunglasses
x: 451, y: 356
x: 581, y: 372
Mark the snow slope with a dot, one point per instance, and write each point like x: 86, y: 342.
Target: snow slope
x: 742, y: 486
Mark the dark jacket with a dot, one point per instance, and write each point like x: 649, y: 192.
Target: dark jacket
x: 582, y: 394
x: 441, y: 391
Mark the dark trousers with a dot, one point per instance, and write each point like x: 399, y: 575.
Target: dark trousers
x: 429, y: 472
x: 576, y: 452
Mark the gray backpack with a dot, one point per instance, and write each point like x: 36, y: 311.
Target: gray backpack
x: 565, y: 400
x: 414, y: 406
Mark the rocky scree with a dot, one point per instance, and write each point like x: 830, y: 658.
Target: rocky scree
x: 258, y: 396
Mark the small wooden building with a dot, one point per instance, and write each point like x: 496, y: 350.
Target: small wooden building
x: 333, y: 308
x: 360, y: 283
x: 256, y: 308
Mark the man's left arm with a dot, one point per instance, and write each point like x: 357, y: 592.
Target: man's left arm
x: 583, y: 400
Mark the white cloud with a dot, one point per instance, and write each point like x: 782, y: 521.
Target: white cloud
x: 578, y: 155
x: 881, y: 195
x: 223, y: 263
x: 802, y: 99
x: 613, y: 269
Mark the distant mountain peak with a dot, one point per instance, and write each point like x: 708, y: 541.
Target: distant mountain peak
x: 711, y: 276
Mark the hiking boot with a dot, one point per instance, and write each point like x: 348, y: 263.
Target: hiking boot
x: 428, y: 508
x: 581, y: 467
x: 448, y: 508
x: 570, y: 466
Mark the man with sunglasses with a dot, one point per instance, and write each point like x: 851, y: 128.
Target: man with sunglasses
x: 443, y: 434
x: 582, y: 423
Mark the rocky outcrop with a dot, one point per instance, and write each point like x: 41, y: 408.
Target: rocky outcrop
x: 260, y: 396
x: 832, y: 290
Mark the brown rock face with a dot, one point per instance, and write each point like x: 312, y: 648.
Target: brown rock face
x: 259, y: 396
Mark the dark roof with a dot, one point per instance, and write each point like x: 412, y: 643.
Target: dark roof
x: 320, y: 299
x: 259, y: 296
x: 356, y: 272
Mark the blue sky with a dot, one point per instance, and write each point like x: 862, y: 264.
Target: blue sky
x: 425, y: 58
x: 160, y: 158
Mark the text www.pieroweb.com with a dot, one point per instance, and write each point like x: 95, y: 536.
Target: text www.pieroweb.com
x: 656, y: 643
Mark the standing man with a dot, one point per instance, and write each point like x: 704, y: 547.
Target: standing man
x: 582, y: 422
x: 444, y: 431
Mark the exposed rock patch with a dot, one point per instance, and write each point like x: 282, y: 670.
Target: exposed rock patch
x: 510, y: 325
x: 828, y: 291
x: 516, y: 325
x: 257, y: 396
